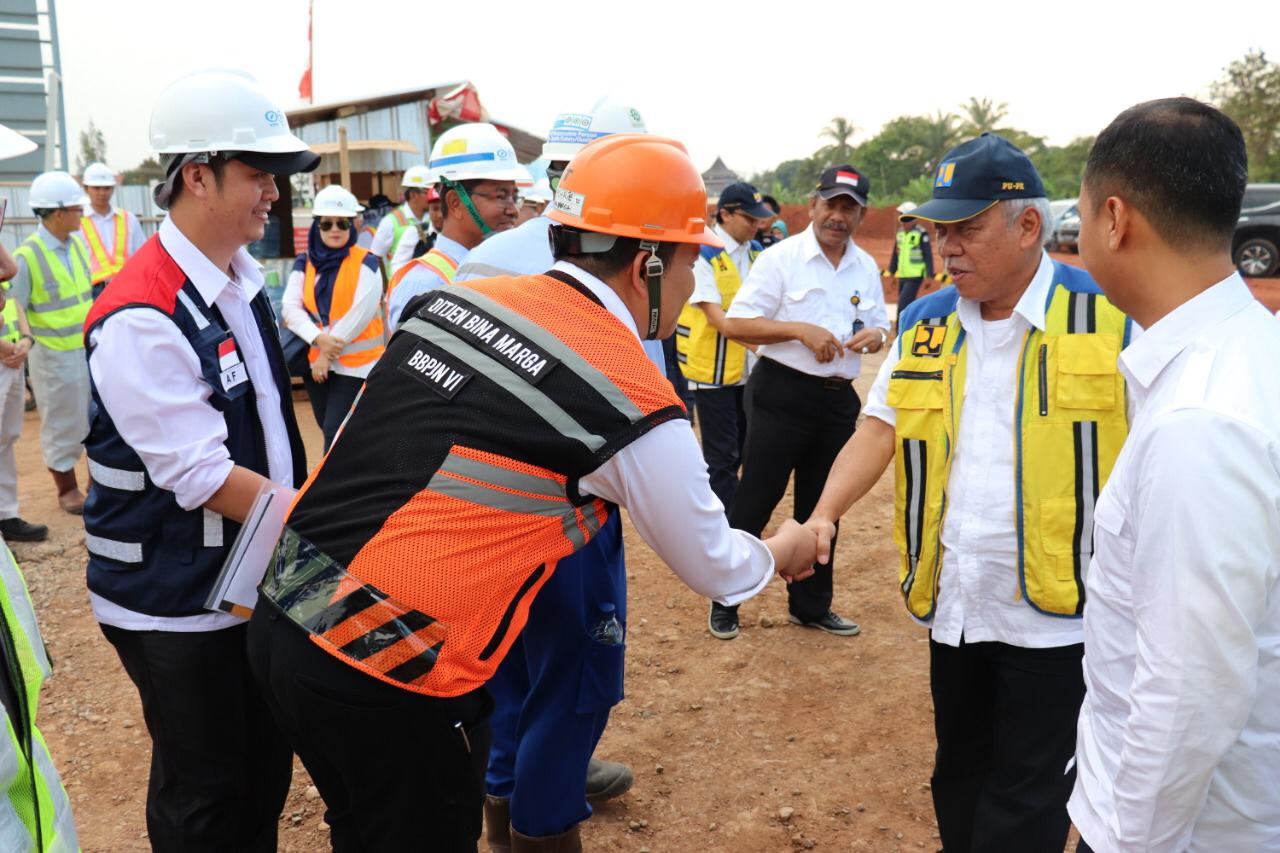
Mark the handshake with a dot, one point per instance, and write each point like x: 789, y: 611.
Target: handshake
x: 796, y: 547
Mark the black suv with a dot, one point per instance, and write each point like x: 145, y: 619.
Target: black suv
x: 1256, y: 246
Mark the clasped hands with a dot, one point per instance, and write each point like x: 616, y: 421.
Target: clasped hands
x: 826, y: 346
x: 330, y: 349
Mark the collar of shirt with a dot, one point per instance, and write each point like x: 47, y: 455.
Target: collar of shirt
x: 46, y: 237
x: 608, y: 297
x: 408, y: 212
x: 730, y: 245
x: 1030, y: 307
x: 207, y: 278
x: 1150, y: 353
x: 103, y: 217
x: 455, y: 250
x: 813, y: 249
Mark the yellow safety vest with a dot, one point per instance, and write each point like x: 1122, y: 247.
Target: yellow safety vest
x: 57, y: 315
x: 36, y: 805
x: 910, y: 255
x: 101, y: 265
x: 1070, y: 422
x: 706, y: 356
x: 9, y: 320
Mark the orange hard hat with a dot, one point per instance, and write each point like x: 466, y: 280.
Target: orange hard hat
x: 635, y: 185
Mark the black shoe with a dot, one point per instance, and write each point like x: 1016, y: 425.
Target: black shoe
x: 722, y: 621
x: 607, y: 779
x: 16, y: 530
x: 831, y: 623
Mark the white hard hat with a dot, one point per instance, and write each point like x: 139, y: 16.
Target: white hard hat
x: 98, y: 175
x: 907, y: 207
x: 416, y: 177
x: 474, y: 152
x: 540, y: 191
x: 571, y: 131
x: 335, y: 200
x: 53, y: 190
x: 525, y: 181
x: 14, y: 144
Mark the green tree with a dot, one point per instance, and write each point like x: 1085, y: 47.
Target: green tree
x: 1062, y: 167
x: 145, y: 172
x: 981, y: 115
x: 840, y: 131
x: 1249, y: 92
x: 93, y: 147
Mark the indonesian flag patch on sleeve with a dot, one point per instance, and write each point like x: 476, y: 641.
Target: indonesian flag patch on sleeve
x: 233, y: 369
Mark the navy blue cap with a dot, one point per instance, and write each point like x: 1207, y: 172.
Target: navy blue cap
x: 844, y: 180
x: 746, y: 198
x: 975, y: 175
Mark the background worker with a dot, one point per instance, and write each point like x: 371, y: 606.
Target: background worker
x: 716, y: 366
x: 816, y: 304
x: 379, y: 206
x: 544, y: 411
x: 193, y: 417
x: 912, y: 259
x: 332, y: 301
x: 475, y: 171
x: 1003, y: 412
x: 554, y: 691
x: 534, y: 201
x: 1178, y: 740
x: 112, y: 234
x: 53, y: 292
x: 403, y: 223
x: 765, y: 235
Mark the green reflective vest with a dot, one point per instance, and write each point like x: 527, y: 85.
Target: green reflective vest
x: 9, y: 321
x: 60, y: 298
x: 36, y: 813
x: 910, y: 255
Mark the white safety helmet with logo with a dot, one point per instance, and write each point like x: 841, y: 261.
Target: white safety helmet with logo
x: 55, y: 190
x: 416, y: 178
x: 473, y: 152
x: 335, y: 200
x: 14, y: 144
x: 98, y: 175
x: 540, y: 192
x: 223, y: 113
x: 571, y: 131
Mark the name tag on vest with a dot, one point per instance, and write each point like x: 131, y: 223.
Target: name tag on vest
x: 485, y: 332
x: 436, y: 370
x: 233, y: 369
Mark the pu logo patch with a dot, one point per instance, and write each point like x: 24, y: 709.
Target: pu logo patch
x: 946, y: 174
x: 928, y: 340
x: 1013, y: 185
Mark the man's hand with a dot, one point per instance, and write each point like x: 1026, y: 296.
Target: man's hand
x: 793, y: 549
x: 824, y: 345
x: 22, y: 347
x: 329, y: 345
x: 870, y: 339
x: 320, y: 368
x: 824, y: 529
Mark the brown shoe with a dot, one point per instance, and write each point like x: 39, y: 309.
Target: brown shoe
x: 565, y: 842
x: 69, y: 496
x: 497, y: 823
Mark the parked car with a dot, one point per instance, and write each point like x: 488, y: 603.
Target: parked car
x: 1256, y: 246
x: 1066, y: 225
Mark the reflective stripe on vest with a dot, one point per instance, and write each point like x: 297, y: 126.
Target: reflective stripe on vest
x: 704, y: 354
x: 1070, y: 422
x: 367, y: 346
x: 910, y: 254
x: 57, y: 316
x: 102, y: 267
x: 402, y: 224
x: 443, y: 266
x: 9, y: 321
x: 25, y: 766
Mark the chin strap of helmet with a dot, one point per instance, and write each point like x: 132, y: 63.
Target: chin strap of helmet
x: 653, y: 270
x: 465, y: 197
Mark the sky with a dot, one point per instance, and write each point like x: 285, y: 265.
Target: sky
x: 752, y: 82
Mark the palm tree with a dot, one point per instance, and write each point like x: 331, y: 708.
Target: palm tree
x: 940, y: 136
x: 982, y: 115
x: 840, y: 132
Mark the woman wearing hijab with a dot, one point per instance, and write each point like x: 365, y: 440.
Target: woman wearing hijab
x: 333, y: 302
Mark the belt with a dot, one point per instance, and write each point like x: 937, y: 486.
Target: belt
x: 829, y: 383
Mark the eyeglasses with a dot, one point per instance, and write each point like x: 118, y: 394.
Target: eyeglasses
x: 330, y: 224
x: 506, y: 199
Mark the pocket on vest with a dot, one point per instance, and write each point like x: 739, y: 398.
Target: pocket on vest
x: 917, y: 398
x: 1058, y: 535
x: 1086, y: 375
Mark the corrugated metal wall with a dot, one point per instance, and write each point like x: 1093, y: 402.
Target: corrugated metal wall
x: 406, y: 121
x: 19, y: 222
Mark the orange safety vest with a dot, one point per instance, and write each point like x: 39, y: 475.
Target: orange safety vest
x: 368, y: 345
x: 435, y: 260
x: 464, y: 451
x: 102, y: 267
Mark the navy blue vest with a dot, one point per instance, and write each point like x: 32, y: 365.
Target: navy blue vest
x: 146, y: 553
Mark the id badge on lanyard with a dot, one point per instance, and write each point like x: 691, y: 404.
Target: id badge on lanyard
x: 858, y: 325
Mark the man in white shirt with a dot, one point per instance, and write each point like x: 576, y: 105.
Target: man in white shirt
x: 1179, y: 736
x: 193, y: 416
x: 102, y: 225
x: 816, y: 305
x: 404, y: 224
x: 1002, y: 409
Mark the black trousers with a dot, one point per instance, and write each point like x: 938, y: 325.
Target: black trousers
x: 331, y: 400
x: 723, y: 422
x: 1082, y: 847
x: 676, y: 376
x: 220, y: 769
x: 908, y: 288
x: 397, y: 770
x: 795, y: 422
x: 1005, y: 719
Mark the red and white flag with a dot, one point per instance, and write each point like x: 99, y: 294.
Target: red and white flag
x: 228, y: 357
x: 304, y: 85
x: 850, y: 178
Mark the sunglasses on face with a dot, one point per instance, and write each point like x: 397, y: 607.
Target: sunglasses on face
x: 330, y: 224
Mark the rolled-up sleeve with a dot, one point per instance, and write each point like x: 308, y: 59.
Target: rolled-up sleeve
x: 148, y: 378
x: 704, y: 283
x: 662, y: 481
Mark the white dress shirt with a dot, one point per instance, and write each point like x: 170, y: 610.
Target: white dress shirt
x: 705, y: 290
x: 149, y: 379
x: 1178, y: 746
x: 661, y: 479
x: 386, y: 232
x: 364, y: 307
x: 106, y: 226
x: 979, y: 595
x: 792, y: 281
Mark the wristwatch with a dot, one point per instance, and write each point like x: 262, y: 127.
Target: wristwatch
x: 27, y: 338
x: 884, y: 336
